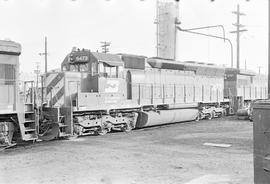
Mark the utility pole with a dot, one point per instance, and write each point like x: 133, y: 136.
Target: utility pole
x: 105, y: 46
x: 43, y: 79
x: 238, y: 31
x: 259, y: 69
x: 45, y: 56
x: 37, y: 72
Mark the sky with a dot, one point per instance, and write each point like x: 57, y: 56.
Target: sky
x: 129, y: 26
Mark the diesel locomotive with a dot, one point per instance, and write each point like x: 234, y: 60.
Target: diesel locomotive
x: 17, y: 114
x: 95, y: 93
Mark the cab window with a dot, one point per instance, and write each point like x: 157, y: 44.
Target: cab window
x: 108, y: 71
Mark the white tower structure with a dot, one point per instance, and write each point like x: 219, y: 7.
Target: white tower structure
x: 167, y: 20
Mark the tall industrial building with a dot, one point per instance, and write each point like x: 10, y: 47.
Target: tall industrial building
x: 166, y: 21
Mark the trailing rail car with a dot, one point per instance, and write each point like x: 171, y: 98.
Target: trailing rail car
x: 17, y: 117
x: 95, y: 92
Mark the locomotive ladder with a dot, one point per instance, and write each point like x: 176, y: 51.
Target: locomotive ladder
x: 62, y: 124
x: 28, y: 123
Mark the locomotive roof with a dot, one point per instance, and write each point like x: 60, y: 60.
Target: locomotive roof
x: 10, y: 48
x: 240, y: 71
x: 199, y: 68
x: 165, y: 64
x: 110, y: 59
x: 131, y: 55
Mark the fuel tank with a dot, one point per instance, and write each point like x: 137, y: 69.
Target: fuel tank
x: 152, y: 118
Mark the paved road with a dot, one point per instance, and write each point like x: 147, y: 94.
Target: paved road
x: 166, y: 155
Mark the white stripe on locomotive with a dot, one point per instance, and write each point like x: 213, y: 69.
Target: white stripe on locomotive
x: 49, y: 78
x: 55, y: 92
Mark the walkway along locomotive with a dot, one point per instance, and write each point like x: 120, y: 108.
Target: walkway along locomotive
x: 95, y: 93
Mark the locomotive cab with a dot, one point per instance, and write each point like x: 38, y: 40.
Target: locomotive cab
x: 94, y: 63
x: 87, y: 79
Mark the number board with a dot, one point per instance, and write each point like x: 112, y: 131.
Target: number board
x: 80, y: 57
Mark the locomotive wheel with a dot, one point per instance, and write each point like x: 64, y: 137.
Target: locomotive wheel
x: 127, y: 128
x: 199, y: 117
x: 7, y: 130
x: 221, y: 114
x: 214, y: 114
x: 102, y: 131
x: 224, y: 113
x: 210, y: 116
x: 231, y: 111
